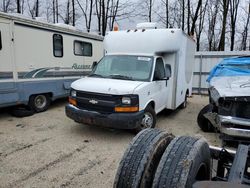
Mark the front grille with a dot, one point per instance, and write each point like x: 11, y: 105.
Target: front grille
x: 96, y: 108
x: 236, y: 108
x: 98, y: 96
x: 103, y: 103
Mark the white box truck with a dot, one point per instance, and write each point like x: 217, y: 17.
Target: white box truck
x: 39, y: 61
x: 143, y: 72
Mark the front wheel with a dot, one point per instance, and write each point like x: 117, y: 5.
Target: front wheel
x: 40, y: 102
x: 148, y: 120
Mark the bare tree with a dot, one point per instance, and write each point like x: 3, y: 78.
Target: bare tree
x: 245, y: 32
x: 8, y: 6
x: 188, y: 16
x: 37, y: 8
x: 87, y: 10
x: 18, y: 6
x: 234, y: 4
x: 225, y: 6
x: 183, y: 15
x: 195, y: 17
x: 199, y: 28
x: 57, y: 12
x: 73, y: 13
x: 212, y: 15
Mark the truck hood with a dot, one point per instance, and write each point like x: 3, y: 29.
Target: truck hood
x: 105, y: 85
x: 232, y: 86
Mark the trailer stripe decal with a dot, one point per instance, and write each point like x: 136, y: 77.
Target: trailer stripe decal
x: 51, y: 74
x: 6, y: 75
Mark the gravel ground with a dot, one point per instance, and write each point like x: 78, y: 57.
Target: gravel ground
x: 50, y: 150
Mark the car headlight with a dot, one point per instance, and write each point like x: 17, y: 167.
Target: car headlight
x: 214, y: 94
x: 126, y: 100
x: 73, y: 93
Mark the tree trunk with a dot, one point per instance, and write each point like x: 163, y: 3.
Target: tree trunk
x: 57, y: 12
x: 37, y: 8
x: 234, y: 4
x: 150, y: 11
x: 73, y: 12
x: 90, y: 15
x: 195, y: 17
x: 18, y: 6
x: 103, y: 17
x: 167, y: 14
x: 245, y: 33
x: 188, y: 16
x: 183, y: 15
x: 221, y: 46
x: 54, y: 11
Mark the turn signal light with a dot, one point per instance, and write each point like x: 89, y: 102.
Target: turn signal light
x: 72, y: 101
x: 127, y: 109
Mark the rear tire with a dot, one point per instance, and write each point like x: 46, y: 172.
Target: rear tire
x: 184, y: 104
x: 21, y: 111
x: 40, y: 102
x: 139, y: 162
x: 203, y: 122
x: 185, y: 161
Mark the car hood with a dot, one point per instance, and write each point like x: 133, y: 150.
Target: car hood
x: 106, y: 85
x: 232, y: 86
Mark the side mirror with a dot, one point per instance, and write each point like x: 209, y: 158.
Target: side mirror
x: 94, y: 65
x: 168, y: 71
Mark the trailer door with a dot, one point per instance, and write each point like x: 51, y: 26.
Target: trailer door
x: 8, y: 92
x: 6, y: 66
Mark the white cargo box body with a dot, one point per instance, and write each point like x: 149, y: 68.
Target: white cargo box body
x: 176, y: 48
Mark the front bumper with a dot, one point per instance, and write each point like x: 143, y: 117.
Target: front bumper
x: 113, y: 120
x: 233, y: 126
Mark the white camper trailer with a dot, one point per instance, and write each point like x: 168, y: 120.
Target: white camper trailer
x: 143, y: 72
x: 38, y: 60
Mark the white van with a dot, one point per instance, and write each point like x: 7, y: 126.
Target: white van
x: 143, y: 72
x: 39, y: 61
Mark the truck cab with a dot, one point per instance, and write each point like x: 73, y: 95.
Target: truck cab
x: 134, y: 80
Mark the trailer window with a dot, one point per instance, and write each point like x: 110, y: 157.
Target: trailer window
x: 0, y: 40
x: 58, y: 45
x: 82, y: 48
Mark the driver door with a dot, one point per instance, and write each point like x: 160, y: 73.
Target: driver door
x: 160, y: 85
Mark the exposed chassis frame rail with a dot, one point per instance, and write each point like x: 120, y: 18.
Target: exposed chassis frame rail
x: 233, y: 166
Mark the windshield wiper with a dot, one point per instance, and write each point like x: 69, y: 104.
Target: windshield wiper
x: 118, y: 76
x: 96, y: 75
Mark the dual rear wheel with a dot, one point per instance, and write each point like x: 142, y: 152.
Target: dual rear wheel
x: 157, y: 159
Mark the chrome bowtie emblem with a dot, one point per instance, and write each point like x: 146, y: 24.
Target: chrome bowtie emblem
x: 92, y: 101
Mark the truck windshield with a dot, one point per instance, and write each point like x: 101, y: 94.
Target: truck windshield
x: 125, y: 67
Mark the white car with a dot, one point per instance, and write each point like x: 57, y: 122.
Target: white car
x: 229, y: 94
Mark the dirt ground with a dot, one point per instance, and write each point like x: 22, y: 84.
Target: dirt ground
x: 50, y: 150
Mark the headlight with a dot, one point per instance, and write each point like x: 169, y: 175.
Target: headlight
x: 126, y: 100
x: 73, y: 93
x: 214, y: 94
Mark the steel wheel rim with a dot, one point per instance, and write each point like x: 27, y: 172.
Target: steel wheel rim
x: 147, y: 120
x: 40, y: 101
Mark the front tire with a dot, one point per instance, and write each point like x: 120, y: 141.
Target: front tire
x: 40, y: 102
x: 148, y: 120
x: 202, y: 121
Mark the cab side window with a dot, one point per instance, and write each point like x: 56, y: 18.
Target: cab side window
x: 159, y: 69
